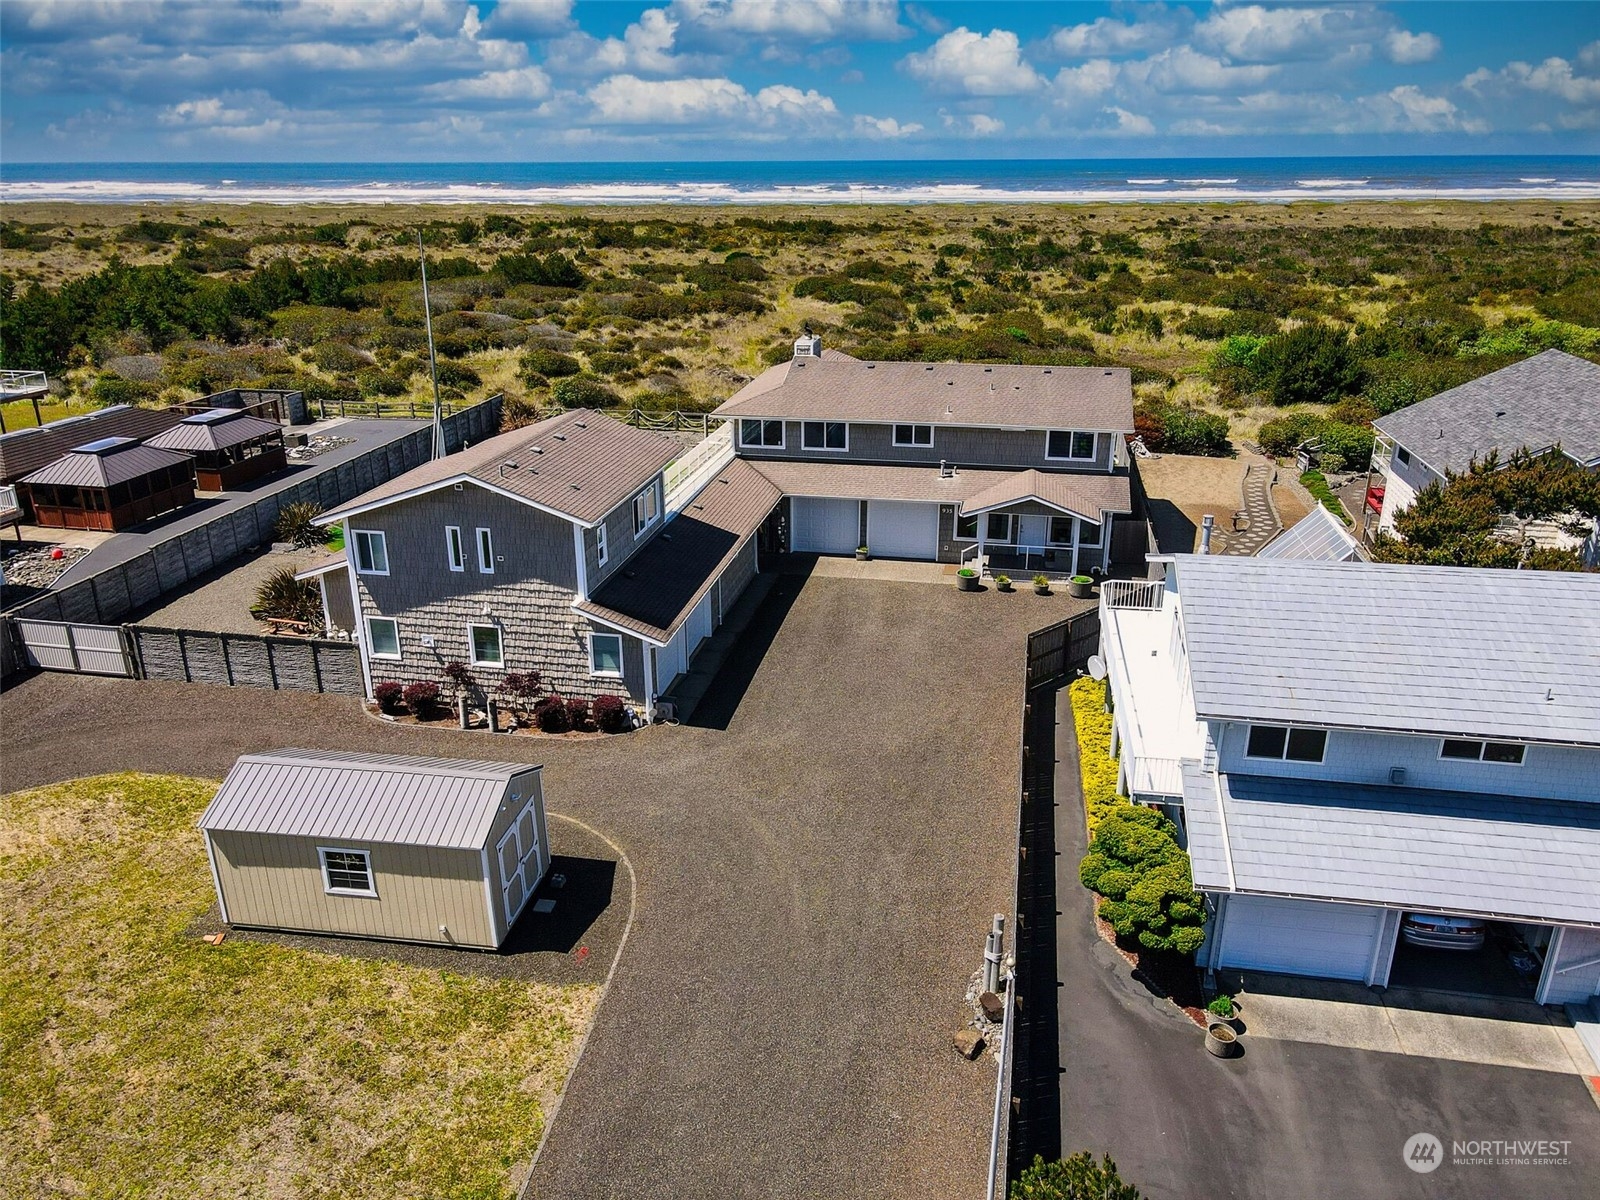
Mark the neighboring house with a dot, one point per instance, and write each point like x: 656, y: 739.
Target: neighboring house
x: 379, y: 846
x: 1012, y: 467
x: 1318, y: 536
x: 546, y: 549
x: 1349, y: 744
x: 1550, y: 400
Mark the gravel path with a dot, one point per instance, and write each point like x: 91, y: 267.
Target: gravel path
x: 814, y: 881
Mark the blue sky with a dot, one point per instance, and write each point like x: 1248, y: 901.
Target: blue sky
x: 550, y: 80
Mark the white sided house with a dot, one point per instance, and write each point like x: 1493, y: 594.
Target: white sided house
x: 378, y: 846
x: 1349, y: 746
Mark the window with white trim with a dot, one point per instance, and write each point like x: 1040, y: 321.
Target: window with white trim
x: 485, y: 642
x: 485, y: 551
x: 1404, y: 455
x: 645, y: 510
x: 998, y: 528
x: 1089, y: 533
x: 346, y: 872
x: 605, y: 654
x: 383, y: 637
x: 761, y: 435
x: 601, y: 553
x: 1069, y: 444
x: 454, y: 551
x: 372, y: 551
x: 825, y: 435
x: 1470, y: 750
x: 1287, y: 743
x: 967, y: 528
x: 913, y: 435
x: 1061, y: 531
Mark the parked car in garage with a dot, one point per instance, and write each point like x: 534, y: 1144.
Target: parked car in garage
x: 1442, y: 933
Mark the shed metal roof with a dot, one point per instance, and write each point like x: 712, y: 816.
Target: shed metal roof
x: 1551, y: 398
x: 1318, y: 536
x: 579, y: 464
x: 394, y: 799
x: 1411, y: 848
x: 214, y: 429
x: 23, y: 451
x: 997, y: 395
x: 105, y: 468
x: 1448, y: 651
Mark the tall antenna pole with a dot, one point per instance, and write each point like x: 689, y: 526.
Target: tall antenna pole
x: 433, y: 366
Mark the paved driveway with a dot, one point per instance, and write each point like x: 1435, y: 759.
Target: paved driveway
x: 1289, y: 1119
x: 814, y: 880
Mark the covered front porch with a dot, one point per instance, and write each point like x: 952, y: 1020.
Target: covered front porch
x: 1034, y: 524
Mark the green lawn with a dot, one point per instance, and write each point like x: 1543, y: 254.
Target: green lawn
x: 142, y: 1062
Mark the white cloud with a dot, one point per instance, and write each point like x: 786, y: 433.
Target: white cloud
x: 1184, y: 69
x: 1106, y: 35
x: 1131, y: 123
x: 975, y: 64
x: 1404, y: 47
x: 629, y: 100
x: 810, y: 20
x: 1417, y: 112
x: 985, y: 126
x: 1589, y: 56
x: 521, y: 83
x: 1089, y: 81
x: 1251, y: 33
x: 645, y: 46
x: 884, y: 127
x: 528, y: 18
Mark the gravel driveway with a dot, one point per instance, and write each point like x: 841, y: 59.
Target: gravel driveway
x: 814, y: 882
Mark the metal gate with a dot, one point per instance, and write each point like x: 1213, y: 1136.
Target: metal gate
x: 65, y: 646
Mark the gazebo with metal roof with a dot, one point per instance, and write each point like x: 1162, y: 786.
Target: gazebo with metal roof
x: 230, y: 447
x: 109, y: 485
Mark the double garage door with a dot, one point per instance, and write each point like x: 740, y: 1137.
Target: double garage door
x: 895, y: 528
x: 1300, y: 937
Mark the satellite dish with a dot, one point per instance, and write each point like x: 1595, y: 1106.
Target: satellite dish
x: 1097, y: 667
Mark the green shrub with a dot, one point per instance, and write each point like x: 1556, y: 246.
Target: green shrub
x: 583, y: 391
x: 1529, y: 337
x: 1190, y: 431
x: 1309, y: 364
x: 297, y: 523
x: 1076, y: 1178
x: 1345, y: 446
x: 280, y: 595
x: 552, y: 364
x: 458, y: 375
x: 1314, y: 483
x: 1142, y: 877
x: 109, y: 389
x: 338, y: 357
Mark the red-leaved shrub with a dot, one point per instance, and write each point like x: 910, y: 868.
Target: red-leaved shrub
x: 550, y: 715
x: 577, y: 714
x: 422, y: 699
x: 387, y: 693
x: 610, y: 714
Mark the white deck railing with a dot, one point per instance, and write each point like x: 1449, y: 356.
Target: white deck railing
x: 1132, y: 593
x: 1149, y: 776
x: 22, y: 384
x: 8, y: 500
x: 685, y: 476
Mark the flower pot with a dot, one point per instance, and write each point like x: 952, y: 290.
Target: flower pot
x: 967, y: 583
x: 1221, y: 1039
x: 862, y: 555
x: 1081, y: 588
x: 1041, y: 589
x: 1002, y: 585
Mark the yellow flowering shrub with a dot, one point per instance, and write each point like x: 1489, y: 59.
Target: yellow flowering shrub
x: 1095, y: 764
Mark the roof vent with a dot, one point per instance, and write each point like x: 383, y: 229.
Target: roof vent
x: 1500, y: 412
x: 561, y: 437
x: 537, y: 449
x: 577, y: 487
x: 872, y: 366
x: 986, y: 370
x: 949, y: 383
x: 1047, y: 370
x: 507, y: 466
x: 946, y: 471
x: 929, y: 367
x: 581, y: 424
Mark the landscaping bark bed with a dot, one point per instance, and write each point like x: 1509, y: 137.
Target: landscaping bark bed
x: 1170, y: 976
x: 478, y: 722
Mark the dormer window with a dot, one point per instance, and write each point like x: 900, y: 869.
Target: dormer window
x: 913, y: 435
x: 1069, y: 445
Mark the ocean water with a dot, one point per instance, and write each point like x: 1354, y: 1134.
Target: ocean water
x: 1270, y: 180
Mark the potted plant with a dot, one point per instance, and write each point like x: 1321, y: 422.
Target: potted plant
x: 1222, y: 1009
x: 1081, y: 587
x: 861, y: 554
x: 1003, y: 582
x: 1041, y: 584
x: 1222, y: 1039
x: 967, y: 579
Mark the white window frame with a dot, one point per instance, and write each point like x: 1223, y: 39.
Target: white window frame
x: 472, y: 645
x: 762, y: 443
x: 455, y: 551
x: 370, y: 891
x: 805, y: 427
x: 483, y: 536
x: 617, y: 674
x: 372, y: 642
x: 894, y: 435
x: 1100, y: 533
x: 1010, y: 519
x: 955, y: 530
x: 1071, y: 525
x: 1483, y: 745
x: 601, y: 551
x: 355, y: 551
x: 1071, y: 436
x: 654, y: 509
x: 1287, y: 731
x: 1404, y: 455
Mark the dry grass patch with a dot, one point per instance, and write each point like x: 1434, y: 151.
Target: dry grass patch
x: 141, y: 1061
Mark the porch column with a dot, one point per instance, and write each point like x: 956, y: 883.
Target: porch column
x: 983, y: 520
x: 1077, y: 537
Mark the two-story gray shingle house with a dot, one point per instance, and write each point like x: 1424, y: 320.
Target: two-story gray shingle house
x: 1538, y: 404
x: 546, y: 549
x: 1369, y: 760
x: 1011, y: 467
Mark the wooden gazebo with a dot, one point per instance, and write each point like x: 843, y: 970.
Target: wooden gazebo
x: 230, y: 448
x: 109, y: 484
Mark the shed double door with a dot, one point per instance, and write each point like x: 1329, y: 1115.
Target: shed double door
x: 522, y: 862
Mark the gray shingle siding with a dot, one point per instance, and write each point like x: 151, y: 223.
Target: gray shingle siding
x: 620, y: 540
x: 972, y: 447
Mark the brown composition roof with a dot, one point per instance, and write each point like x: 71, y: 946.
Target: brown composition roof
x: 581, y: 464
x: 23, y: 451
x: 655, y: 592
x: 1083, y: 495
x: 205, y: 431
x: 106, y: 469
x: 999, y: 395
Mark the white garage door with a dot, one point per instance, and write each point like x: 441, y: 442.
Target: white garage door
x: 826, y: 526
x: 1299, y: 937
x: 903, y: 529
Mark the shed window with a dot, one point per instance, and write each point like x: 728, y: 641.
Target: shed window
x: 825, y: 435
x: 346, y: 872
x: 605, y: 654
x: 766, y: 435
x: 383, y: 637
x: 913, y: 435
x: 453, y: 548
x: 645, y: 510
x: 1467, y: 750
x: 372, y: 552
x: 486, y: 648
x: 1069, y: 443
x: 1285, y: 742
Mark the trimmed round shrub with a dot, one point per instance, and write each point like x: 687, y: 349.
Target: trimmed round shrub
x: 422, y: 699
x: 583, y: 392
x: 552, y: 364
x: 551, y: 715
x: 609, y: 713
x: 458, y: 375
x: 577, y: 713
x: 390, y: 695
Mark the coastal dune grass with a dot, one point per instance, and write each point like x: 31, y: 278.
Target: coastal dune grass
x: 141, y: 1061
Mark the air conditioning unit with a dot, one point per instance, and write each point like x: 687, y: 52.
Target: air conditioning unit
x: 666, y: 710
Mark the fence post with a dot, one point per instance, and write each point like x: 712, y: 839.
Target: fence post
x: 183, y: 657
x: 72, y: 647
x: 272, y: 664
x: 316, y: 664
x: 227, y: 660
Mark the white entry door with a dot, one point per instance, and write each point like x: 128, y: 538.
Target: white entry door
x: 823, y: 526
x: 1299, y: 937
x: 1033, y: 530
x: 522, y: 861
x: 903, y: 529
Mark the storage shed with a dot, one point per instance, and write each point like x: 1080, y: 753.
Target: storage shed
x: 230, y: 447
x: 383, y: 846
x: 109, y: 484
